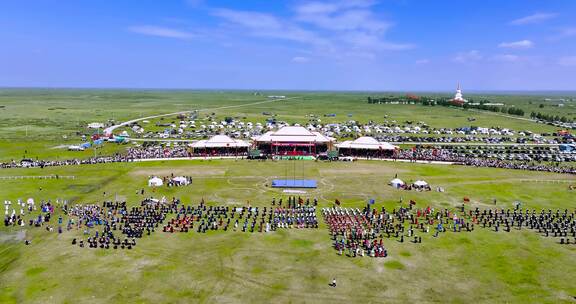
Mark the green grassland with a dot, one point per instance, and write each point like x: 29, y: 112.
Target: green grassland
x: 286, y: 266
x: 49, y: 113
x: 291, y: 265
x: 36, y: 121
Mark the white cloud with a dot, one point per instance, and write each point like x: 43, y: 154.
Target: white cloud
x: 468, y: 57
x: 300, y: 59
x: 522, y: 44
x: 341, y: 16
x: 266, y: 25
x: 568, y: 61
x: 159, y: 31
x: 338, y: 29
x: 535, y: 18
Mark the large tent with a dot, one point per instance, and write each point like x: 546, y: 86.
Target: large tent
x: 221, y: 145
x: 366, y: 146
x: 293, y: 140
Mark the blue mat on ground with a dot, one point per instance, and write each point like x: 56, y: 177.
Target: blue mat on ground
x: 294, y: 183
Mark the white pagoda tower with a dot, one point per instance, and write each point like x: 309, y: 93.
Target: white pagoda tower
x: 458, y: 97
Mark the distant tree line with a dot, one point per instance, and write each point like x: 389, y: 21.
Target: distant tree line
x: 482, y: 104
x: 494, y: 108
x: 550, y: 117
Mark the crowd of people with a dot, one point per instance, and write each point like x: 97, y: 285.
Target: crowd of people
x: 358, y: 232
x: 444, y: 155
x: 36, y: 163
x: 534, y: 163
x: 494, y: 163
x: 261, y: 219
x: 548, y: 223
x: 354, y: 232
x: 158, y: 151
x: 116, y: 225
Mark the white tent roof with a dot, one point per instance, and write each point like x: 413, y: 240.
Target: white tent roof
x: 155, y: 181
x: 368, y: 143
x: 180, y: 179
x: 220, y: 141
x: 420, y: 183
x: 293, y: 134
x: 396, y: 181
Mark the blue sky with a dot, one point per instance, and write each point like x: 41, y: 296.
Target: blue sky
x: 405, y: 45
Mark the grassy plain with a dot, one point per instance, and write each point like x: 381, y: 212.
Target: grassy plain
x: 295, y: 265
x: 292, y: 266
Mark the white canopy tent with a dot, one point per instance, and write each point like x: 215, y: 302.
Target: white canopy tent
x: 181, y: 180
x: 396, y: 183
x: 293, y: 140
x: 220, y: 141
x: 420, y: 183
x: 155, y: 182
x: 293, y: 134
x: 366, y: 143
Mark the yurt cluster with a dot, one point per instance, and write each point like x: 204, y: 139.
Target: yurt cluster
x: 293, y: 141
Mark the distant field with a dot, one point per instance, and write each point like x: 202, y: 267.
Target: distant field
x: 36, y: 120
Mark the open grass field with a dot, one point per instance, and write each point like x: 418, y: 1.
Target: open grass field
x: 290, y: 266
x: 48, y: 111
x: 286, y: 266
x: 35, y: 120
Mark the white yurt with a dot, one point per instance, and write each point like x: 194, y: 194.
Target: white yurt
x: 180, y: 180
x: 396, y: 183
x: 420, y: 183
x: 155, y: 182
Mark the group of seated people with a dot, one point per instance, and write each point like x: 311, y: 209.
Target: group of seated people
x: 354, y: 232
x: 434, y: 154
x: 260, y: 219
x: 529, y: 166
x: 413, y: 154
x: 105, y: 242
x: 559, y: 223
x: 38, y: 163
x: 116, y: 219
x: 158, y: 151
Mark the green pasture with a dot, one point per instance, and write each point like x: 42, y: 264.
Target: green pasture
x: 289, y: 266
x: 286, y: 266
x: 49, y: 114
x: 43, y: 122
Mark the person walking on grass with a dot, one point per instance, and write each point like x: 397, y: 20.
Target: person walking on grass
x: 333, y: 284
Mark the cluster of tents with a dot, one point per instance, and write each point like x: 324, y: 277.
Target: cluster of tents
x: 96, y: 141
x: 155, y: 181
x: 398, y: 183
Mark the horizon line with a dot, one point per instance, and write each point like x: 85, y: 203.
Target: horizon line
x: 127, y: 88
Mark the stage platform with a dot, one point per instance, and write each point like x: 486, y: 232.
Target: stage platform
x: 294, y: 183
